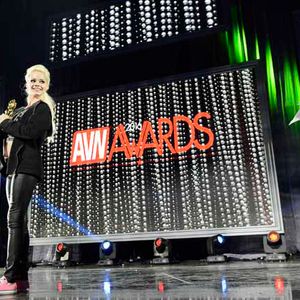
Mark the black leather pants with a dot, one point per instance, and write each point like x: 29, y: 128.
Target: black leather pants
x: 19, y: 190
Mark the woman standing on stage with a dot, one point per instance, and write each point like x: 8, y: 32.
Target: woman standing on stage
x: 26, y: 131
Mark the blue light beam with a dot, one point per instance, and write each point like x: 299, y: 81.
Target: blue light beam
x: 51, y: 209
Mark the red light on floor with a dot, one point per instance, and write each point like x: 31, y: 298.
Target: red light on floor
x: 279, y: 285
x: 59, y: 286
x: 161, y: 287
x: 273, y: 236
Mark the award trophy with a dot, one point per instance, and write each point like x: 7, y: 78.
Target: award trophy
x: 12, y: 104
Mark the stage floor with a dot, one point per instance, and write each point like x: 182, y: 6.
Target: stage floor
x: 232, y: 280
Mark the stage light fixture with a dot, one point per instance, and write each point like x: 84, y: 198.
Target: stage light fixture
x: 107, y: 253
x: 62, y: 255
x: 161, y: 249
x: 61, y: 249
x: 214, y: 248
x: 275, y: 246
x: 160, y: 246
x: 107, y: 247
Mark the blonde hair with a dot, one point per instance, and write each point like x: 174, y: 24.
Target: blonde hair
x: 45, y: 97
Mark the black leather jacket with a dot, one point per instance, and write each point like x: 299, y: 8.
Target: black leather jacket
x: 2, y: 161
x: 29, y: 133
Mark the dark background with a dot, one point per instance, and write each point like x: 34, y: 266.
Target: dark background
x: 23, y: 31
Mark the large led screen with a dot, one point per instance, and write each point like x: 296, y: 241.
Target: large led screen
x: 186, y: 156
x: 124, y: 24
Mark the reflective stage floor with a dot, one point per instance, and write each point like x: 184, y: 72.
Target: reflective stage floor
x: 231, y: 280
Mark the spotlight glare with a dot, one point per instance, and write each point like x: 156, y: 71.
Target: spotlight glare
x: 59, y: 247
x: 273, y: 236
x: 160, y: 245
x: 220, y: 239
x: 158, y: 242
x: 107, y: 253
x: 106, y: 245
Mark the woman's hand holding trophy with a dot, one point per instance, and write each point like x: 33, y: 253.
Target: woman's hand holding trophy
x: 12, y: 104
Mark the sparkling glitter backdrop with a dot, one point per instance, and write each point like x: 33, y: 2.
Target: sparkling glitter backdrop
x: 228, y: 188
x: 128, y: 23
